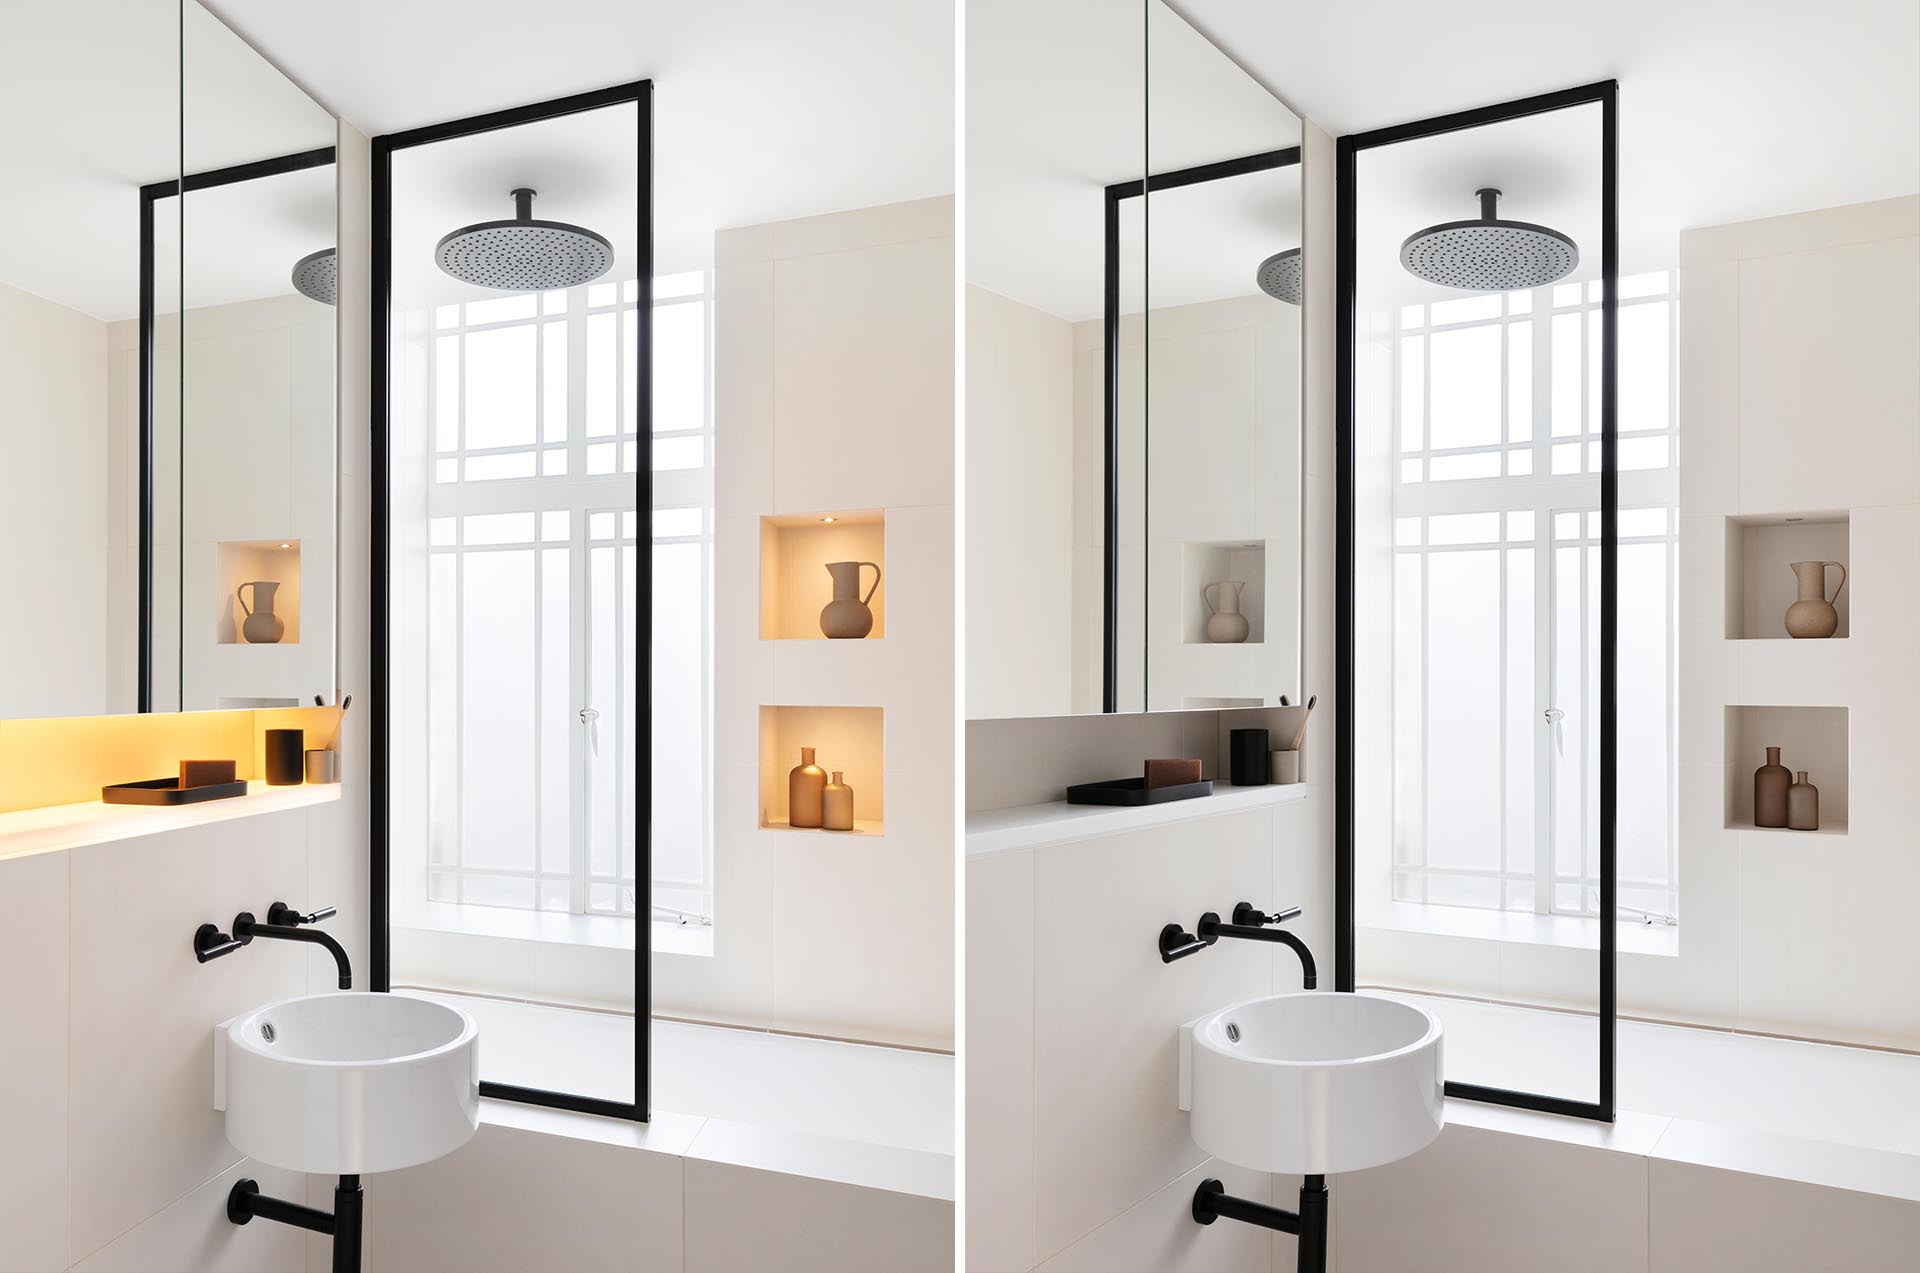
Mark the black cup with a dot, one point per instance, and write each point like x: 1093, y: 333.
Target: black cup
x: 1248, y: 764
x: 286, y: 759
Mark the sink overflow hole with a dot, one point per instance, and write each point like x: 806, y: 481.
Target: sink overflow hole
x: 1233, y: 1033
x: 266, y: 1031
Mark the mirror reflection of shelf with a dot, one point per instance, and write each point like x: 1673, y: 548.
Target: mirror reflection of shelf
x: 1223, y: 563
x: 1760, y: 580
x: 1813, y: 739
x: 848, y: 740
x: 794, y: 583
x: 245, y: 561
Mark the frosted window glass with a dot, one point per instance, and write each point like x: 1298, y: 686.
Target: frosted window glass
x: 1643, y: 752
x: 557, y: 708
x: 497, y: 716
x: 1520, y: 382
x: 1464, y: 390
x: 603, y: 692
x: 1463, y: 528
x: 1520, y: 462
x: 1523, y: 721
x: 493, y: 468
x: 1455, y: 468
x: 603, y: 374
x: 1408, y: 712
x: 679, y: 366
x: 499, y: 383
x: 553, y: 382
x: 446, y: 393
x: 1463, y: 706
x: 1466, y: 309
x: 1413, y: 389
x: 1567, y: 421
x: 503, y: 309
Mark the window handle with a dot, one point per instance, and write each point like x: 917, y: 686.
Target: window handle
x: 590, y: 717
x: 1554, y: 716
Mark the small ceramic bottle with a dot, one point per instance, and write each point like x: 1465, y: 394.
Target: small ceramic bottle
x: 836, y: 804
x: 1803, y: 804
x: 1770, y: 783
x: 806, y: 784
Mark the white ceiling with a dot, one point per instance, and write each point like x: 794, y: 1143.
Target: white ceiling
x: 1729, y: 109
x: 1056, y: 112
x: 764, y: 109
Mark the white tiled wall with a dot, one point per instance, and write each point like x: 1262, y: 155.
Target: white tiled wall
x: 833, y: 357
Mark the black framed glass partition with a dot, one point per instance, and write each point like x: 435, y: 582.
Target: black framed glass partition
x: 513, y: 452
x: 1478, y: 583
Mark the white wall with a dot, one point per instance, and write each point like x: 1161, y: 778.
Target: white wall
x: 1021, y: 509
x: 55, y: 574
x: 833, y: 392
x: 1077, y: 1155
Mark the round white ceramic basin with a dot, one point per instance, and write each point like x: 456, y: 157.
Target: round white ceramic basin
x: 348, y: 1083
x: 1313, y: 1083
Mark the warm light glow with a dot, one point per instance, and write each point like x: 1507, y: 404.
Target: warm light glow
x: 829, y: 520
x: 286, y: 545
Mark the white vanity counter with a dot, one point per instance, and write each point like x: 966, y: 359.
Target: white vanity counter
x: 991, y: 831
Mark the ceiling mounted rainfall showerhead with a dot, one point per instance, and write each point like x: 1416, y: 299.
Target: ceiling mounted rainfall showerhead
x: 317, y: 275
x: 524, y: 255
x: 1488, y: 254
x: 1283, y: 276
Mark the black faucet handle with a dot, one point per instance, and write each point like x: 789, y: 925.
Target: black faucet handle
x: 1245, y: 914
x: 285, y: 916
x: 210, y: 943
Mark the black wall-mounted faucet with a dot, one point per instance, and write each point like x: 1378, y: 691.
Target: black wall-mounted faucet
x: 283, y: 924
x: 1248, y: 923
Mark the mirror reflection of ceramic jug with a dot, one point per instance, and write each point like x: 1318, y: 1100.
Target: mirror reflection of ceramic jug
x: 847, y: 615
x: 1225, y: 623
x: 1813, y: 615
x: 263, y: 626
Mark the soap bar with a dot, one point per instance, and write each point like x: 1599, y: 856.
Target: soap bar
x: 1171, y: 773
x: 205, y: 773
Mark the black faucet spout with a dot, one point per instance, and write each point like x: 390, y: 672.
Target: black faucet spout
x: 1211, y: 928
x: 246, y: 927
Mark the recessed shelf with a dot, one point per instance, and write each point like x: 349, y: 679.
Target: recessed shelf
x: 240, y: 562
x: 1760, y: 580
x: 1202, y: 564
x: 1809, y: 738
x: 851, y: 740
x: 795, y: 584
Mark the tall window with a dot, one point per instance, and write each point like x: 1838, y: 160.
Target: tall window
x: 1496, y: 600
x: 534, y: 542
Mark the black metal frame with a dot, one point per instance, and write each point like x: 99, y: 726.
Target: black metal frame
x: 380, y: 949
x: 1606, y: 94
x: 1110, y: 379
x: 150, y: 195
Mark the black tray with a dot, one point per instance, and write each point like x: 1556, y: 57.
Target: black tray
x: 1134, y: 791
x: 169, y: 791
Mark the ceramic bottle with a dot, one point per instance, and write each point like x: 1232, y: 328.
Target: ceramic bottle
x: 1803, y: 804
x: 1225, y: 623
x: 1770, y: 783
x: 837, y: 804
x: 263, y: 626
x: 1813, y: 615
x: 847, y: 616
x: 806, y: 785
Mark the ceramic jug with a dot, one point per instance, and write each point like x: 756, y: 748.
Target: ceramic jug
x: 263, y: 626
x: 847, y: 615
x: 1813, y: 614
x: 1225, y: 623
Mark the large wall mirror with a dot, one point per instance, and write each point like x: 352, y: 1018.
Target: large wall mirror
x: 1133, y: 368
x: 159, y: 490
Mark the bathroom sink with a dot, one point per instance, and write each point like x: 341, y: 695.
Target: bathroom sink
x: 348, y: 1083
x: 1312, y: 1083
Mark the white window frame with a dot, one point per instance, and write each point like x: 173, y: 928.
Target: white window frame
x: 1538, y: 492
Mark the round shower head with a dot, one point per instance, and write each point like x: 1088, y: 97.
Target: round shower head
x: 524, y: 255
x: 317, y: 275
x: 1283, y: 277
x: 1488, y: 254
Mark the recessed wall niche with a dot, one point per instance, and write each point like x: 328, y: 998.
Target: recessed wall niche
x: 795, y: 584
x: 850, y: 740
x: 1761, y: 583
x: 257, y: 561
x: 1809, y: 738
x: 1208, y: 563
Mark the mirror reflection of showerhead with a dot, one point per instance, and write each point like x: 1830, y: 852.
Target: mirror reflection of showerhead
x: 1283, y: 276
x: 524, y: 255
x: 1488, y: 254
x: 317, y: 275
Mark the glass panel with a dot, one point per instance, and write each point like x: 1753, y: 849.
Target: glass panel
x: 499, y: 387
x: 1477, y: 650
